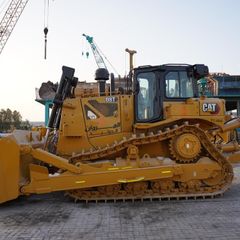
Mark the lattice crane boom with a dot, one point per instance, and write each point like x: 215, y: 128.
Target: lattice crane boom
x: 96, y: 52
x: 10, y: 19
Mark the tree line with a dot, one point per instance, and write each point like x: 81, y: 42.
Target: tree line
x: 10, y: 120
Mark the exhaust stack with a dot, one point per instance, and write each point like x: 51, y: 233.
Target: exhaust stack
x: 101, y: 75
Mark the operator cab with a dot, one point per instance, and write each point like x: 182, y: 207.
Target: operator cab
x: 164, y: 83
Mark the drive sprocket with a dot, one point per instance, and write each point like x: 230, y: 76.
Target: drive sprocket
x: 181, y: 139
x: 185, y: 148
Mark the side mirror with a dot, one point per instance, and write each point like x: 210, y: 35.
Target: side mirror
x: 200, y: 71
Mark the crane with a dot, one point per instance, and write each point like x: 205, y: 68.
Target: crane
x: 10, y: 19
x: 98, y: 55
x: 96, y: 52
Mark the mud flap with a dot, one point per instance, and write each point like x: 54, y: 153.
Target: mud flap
x: 9, y: 169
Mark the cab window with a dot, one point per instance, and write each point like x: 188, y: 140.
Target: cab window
x: 90, y: 114
x: 178, y: 85
x: 147, y: 97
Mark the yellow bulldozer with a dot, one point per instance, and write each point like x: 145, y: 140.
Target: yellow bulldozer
x: 152, y: 138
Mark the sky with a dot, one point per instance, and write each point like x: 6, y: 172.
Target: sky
x: 161, y: 31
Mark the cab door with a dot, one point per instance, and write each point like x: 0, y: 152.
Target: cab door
x: 148, y: 100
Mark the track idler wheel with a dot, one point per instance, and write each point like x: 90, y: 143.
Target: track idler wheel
x: 216, y: 179
x: 185, y: 148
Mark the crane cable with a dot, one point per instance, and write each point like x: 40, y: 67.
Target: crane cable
x: 45, y: 30
x: 114, y: 69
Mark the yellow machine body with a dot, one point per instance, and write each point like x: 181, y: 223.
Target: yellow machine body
x: 94, y: 122
x: 9, y: 169
x: 95, y: 149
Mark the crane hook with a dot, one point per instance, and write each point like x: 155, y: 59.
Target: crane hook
x: 45, y: 42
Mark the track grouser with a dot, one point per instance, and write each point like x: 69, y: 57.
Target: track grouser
x: 151, y: 135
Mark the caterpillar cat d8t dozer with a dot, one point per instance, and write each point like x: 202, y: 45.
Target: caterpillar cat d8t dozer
x: 154, y: 138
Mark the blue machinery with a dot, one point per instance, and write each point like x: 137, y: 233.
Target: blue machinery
x: 96, y: 52
x: 47, y: 105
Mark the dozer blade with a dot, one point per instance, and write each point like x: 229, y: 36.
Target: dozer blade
x: 9, y: 169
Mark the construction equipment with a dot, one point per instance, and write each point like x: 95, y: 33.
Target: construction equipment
x: 158, y: 141
x: 96, y: 51
x: 10, y: 19
x: 98, y: 54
